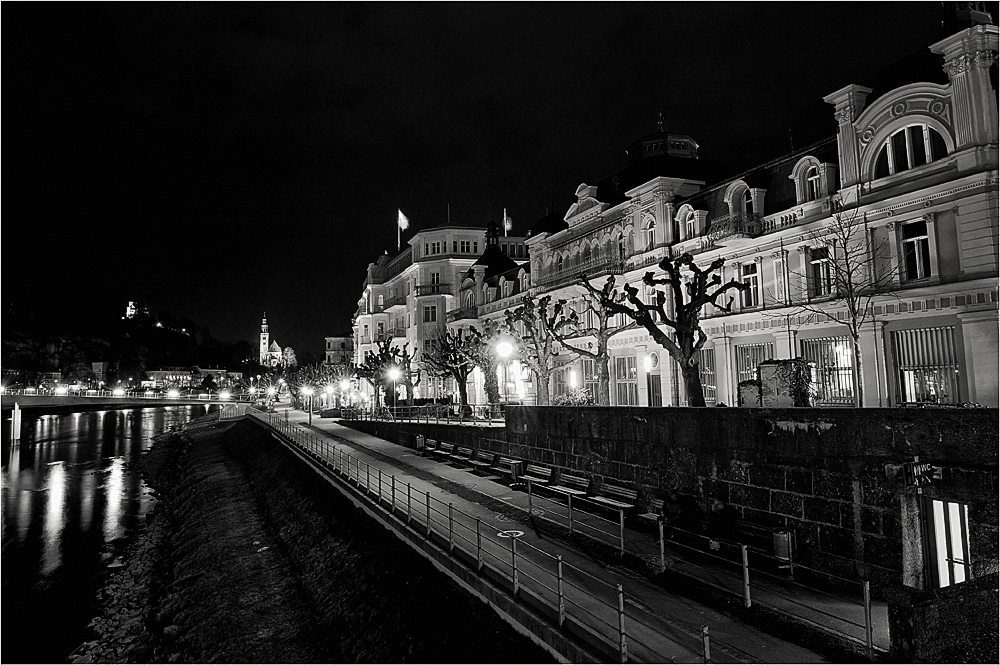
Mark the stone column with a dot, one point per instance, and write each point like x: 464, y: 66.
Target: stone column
x: 968, y: 57
x: 724, y: 380
x: 848, y: 103
x: 873, y: 364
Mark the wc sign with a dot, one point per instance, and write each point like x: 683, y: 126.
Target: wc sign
x: 920, y: 473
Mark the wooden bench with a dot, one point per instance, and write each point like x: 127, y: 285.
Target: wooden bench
x: 570, y: 485
x: 537, y: 474
x: 442, y: 449
x: 508, y: 467
x: 462, y: 455
x: 654, y: 511
x: 614, y: 497
x: 482, y: 460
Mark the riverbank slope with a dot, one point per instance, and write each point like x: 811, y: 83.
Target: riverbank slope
x: 252, y: 558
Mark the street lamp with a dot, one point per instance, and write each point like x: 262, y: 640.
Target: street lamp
x: 329, y: 397
x: 505, y: 349
x: 308, y: 392
x: 270, y: 395
x: 345, y: 385
x: 394, y: 375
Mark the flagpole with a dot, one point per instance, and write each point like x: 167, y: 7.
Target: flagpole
x: 505, y: 222
x: 399, y: 237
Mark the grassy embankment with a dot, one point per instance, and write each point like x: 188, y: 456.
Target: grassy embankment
x: 252, y: 558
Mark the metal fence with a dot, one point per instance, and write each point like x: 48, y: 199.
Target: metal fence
x: 603, y: 617
x: 483, y: 415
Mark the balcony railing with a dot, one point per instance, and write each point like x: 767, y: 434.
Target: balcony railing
x: 733, y: 229
x: 463, y: 313
x: 398, y: 332
x: 396, y: 301
x: 594, y: 268
x: 433, y: 289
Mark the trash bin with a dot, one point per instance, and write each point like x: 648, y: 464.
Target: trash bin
x: 783, y: 545
x: 419, y: 442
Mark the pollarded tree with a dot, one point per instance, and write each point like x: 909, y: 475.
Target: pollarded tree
x: 451, y: 356
x: 690, y: 289
x: 597, y: 304
x: 538, y: 327
x: 409, y: 375
x: 481, y: 350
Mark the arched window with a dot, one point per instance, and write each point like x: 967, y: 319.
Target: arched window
x: 470, y: 299
x: 747, y: 202
x: 586, y: 255
x: 909, y: 148
x: 559, y: 263
x: 650, y: 233
x: 690, y: 225
x: 812, y: 184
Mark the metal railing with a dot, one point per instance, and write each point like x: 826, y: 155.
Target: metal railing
x: 734, y: 225
x: 482, y: 414
x: 600, y: 615
x: 593, y: 268
x: 433, y: 289
x: 463, y: 313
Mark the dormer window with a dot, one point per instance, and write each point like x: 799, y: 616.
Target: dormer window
x: 650, y: 233
x: 690, y: 225
x: 748, y: 202
x: 812, y: 184
x: 909, y: 148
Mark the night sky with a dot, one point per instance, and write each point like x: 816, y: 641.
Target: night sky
x: 216, y: 160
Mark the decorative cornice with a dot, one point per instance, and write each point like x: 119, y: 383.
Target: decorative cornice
x: 844, y: 116
x: 969, y: 62
x: 893, y: 209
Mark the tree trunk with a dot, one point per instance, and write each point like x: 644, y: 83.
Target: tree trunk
x: 859, y: 382
x: 604, y: 382
x: 463, y: 390
x: 542, y: 396
x: 490, y: 383
x: 692, y: 384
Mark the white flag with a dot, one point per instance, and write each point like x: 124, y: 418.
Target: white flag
x: 508, y: 223
x: 403, y: 222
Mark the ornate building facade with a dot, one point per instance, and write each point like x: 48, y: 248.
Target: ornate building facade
x: 912, y: 169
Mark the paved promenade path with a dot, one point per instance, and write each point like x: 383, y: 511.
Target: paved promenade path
x: 662, y: 627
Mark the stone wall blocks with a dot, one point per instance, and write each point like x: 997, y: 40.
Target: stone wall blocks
x: 877, y: 491
x: 767, y: 476
x: 822, y: 510
x: 834, y: 540
x: 798, y: 480
x: 832, y: 486
x: 787, y: 504
x: 757, y: 498
x: 871, y: 520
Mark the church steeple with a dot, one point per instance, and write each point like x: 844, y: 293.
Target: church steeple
x: 265, y: 341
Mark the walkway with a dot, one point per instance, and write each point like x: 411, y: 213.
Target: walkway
x: 660, y: 626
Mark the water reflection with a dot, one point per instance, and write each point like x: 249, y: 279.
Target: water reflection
x: 67, y: 494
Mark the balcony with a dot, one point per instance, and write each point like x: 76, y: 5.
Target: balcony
x: 594, y: 268
x: 397, y: 301
x: 464, y: 313
x: 433, y: 290
x: 733, y: 230
x: 398, y: 332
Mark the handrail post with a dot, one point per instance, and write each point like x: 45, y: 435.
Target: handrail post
x: 663, y: 559
x: 529, y: 498
x: 451, y: 529
x: 409, y: 504
x: 621, y: 530
x: 746, y: 577
x: 559, y: 591
x: 393, y: 489
x: 368, y: 479
x: 379, y: 499
x: 428, y: 513
x: 570, y: 499
x: 705, y: 645
x: 513, y: 564
x: 866, y: 590
x: 479, y: 547
x: 622, y: 646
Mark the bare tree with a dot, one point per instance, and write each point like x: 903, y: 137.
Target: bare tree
x: 597, y: 303
x: 409, y: 375
x: 451, y: 356
x: 848, y: 265
x: 690, y: 289
x: 482, y: 352
x: 539, y: 339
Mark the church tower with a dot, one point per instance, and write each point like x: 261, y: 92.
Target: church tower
x: 264, y: 340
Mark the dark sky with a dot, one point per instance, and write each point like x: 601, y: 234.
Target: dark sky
x: 217, y: 160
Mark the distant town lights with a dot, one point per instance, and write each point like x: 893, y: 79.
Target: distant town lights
x: 173, y: 394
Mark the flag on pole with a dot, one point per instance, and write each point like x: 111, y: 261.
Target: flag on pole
x: 403, y: 222
x: 508, y: 223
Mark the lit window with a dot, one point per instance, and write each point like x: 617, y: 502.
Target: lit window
x: 651, y: 235
x: 749, y: 276
x: 916, y: 254
x: 812, y: 184
x: 748, y: 202
x: 909, y: 148
x: 689, y: 225
x: 822, y: 277
x: 948, y: 535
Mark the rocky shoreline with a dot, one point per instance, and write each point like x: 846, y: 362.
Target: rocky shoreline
x: 250, y: 557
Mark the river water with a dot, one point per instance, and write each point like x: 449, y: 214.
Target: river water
x: 68, y: 503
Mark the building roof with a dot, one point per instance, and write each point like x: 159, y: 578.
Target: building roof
x: 551, y: 223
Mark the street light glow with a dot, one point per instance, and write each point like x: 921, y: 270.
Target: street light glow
x: 306, y: 390
x: 270, y: 390
x: 394, y: 373
x: 345, y: 385
x: 505, y: 349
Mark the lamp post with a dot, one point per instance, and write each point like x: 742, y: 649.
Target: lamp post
x: 329, y: 397
x: 394, y: 375
x: 505, y: 349
x: 270, y: 395
x: 345, y: 385
x: 308, y: 392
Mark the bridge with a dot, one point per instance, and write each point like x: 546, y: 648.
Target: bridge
x: 101, y: 399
